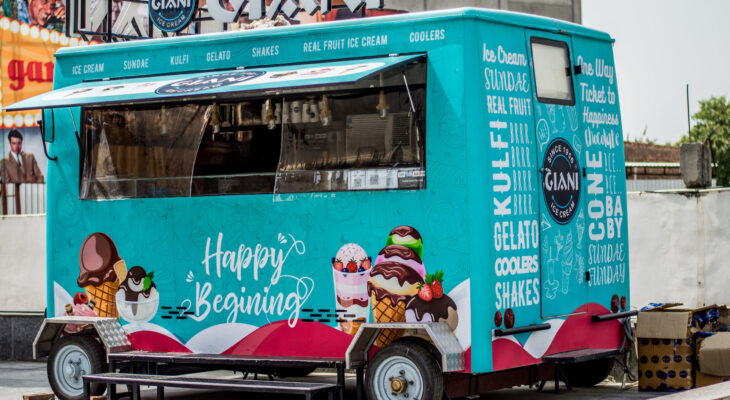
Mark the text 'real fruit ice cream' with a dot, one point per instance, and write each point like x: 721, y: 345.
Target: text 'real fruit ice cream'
x: 100, y: 272
x: 137, y: 298
x: 351, y: 270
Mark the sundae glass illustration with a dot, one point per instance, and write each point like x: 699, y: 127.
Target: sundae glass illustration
x: 137, y: 298
x: 351, y: 270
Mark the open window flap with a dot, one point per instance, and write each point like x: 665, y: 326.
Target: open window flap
x: 209, y: 84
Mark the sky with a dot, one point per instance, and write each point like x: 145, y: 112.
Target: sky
x: 661, y: 46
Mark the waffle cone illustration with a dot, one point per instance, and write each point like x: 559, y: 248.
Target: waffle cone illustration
x: 104, y: 296
x: 385, y: 311
x: 391, y: 285
x: 101, y: 270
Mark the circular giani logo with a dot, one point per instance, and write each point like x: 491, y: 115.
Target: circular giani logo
x: 561, y: 180
x: 171, y: 15
x: 206, y: 82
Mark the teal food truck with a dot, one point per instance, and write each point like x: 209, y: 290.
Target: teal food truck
x: 435, y: 201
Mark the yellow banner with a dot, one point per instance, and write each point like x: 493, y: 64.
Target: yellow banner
x: 26, y: 59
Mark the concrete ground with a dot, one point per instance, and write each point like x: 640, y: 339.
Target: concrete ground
x: 19, y: 378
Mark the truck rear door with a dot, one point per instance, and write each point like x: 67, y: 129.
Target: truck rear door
x: 561, y: 168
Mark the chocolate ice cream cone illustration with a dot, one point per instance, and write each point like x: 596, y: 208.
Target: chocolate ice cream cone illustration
x: 385, y: 311
x: 100, y: 267
x: 391, y: 286
x: 406, y: 236
x: 105, y: 297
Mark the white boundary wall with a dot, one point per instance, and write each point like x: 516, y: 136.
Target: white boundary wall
x: 23, y: 263
x: 679, y: 251
x: 679, y: 247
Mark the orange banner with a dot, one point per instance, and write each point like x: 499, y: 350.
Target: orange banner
x: 26, y: 60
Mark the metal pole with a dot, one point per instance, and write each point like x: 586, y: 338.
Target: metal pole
x: 688, y: 120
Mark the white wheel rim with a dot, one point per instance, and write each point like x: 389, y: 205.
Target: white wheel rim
x: 398, y: 367
x: 70, y: 365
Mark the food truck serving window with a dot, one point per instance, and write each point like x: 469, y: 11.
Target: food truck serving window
x: 553, y: 80
x: 363, y: 135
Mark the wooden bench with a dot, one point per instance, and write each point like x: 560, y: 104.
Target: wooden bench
x: 134, y: 381
x: 574, y: 357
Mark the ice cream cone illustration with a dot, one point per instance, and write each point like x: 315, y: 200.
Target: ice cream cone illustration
x: 406, y: 236
x: 105, y: 297
x: 101, y: 271
x: 391, y: 286
x: 431, y: 304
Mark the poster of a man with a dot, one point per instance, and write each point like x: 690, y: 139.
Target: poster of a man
x: 44, y: 12
x: 19, y: 166
x: 49, y: 14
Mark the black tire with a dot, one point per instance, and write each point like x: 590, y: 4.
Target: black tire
x: 413, y: 359
x: 69, y: 352
x: 588, y: 373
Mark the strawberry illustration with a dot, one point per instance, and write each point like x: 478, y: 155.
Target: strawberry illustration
x: 351, y: 265
x: 80, y: 298
x: 338, y: 265
x: 365, y: 263
x: 425, y: 292
x: 434, y: 280
x: 438, y: 290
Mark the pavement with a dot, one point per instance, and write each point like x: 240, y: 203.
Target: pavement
x: 19, y: 378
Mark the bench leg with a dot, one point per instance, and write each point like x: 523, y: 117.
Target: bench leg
x: 359, y: 385
x: 341, y: 380
x: 541, y: 386
x: 160, y: 393
x: 87, y: 389
x: 557, y: 378
x: 135, y: 392
x: 565, y: 379
x: 111, y: 391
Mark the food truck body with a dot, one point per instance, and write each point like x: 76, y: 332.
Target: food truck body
x: 281, y: 192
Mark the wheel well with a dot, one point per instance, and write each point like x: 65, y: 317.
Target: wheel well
x: 426, y: 344
x: 107, y: 331
x: 436, y: 337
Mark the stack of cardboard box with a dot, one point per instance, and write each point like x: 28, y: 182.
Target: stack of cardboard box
x: 671, y: 340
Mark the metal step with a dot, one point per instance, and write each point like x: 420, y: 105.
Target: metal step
x: 152, y: 362
x: 111, y: 379
x: 226, y: 360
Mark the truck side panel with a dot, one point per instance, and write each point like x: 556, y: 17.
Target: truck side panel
x: 253, y: 274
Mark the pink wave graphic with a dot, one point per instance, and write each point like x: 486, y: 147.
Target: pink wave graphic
x: 306, y: 339
x: 509, y: 354
x: 156, y: 342
x: 467, y: 359
x: 577, y: 332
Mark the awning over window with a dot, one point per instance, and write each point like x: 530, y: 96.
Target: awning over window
x: 209, y: 84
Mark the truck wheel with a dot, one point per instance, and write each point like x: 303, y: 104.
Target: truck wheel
x: 72, y: 357
x: 588, y: 373
x: 404, y: 370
